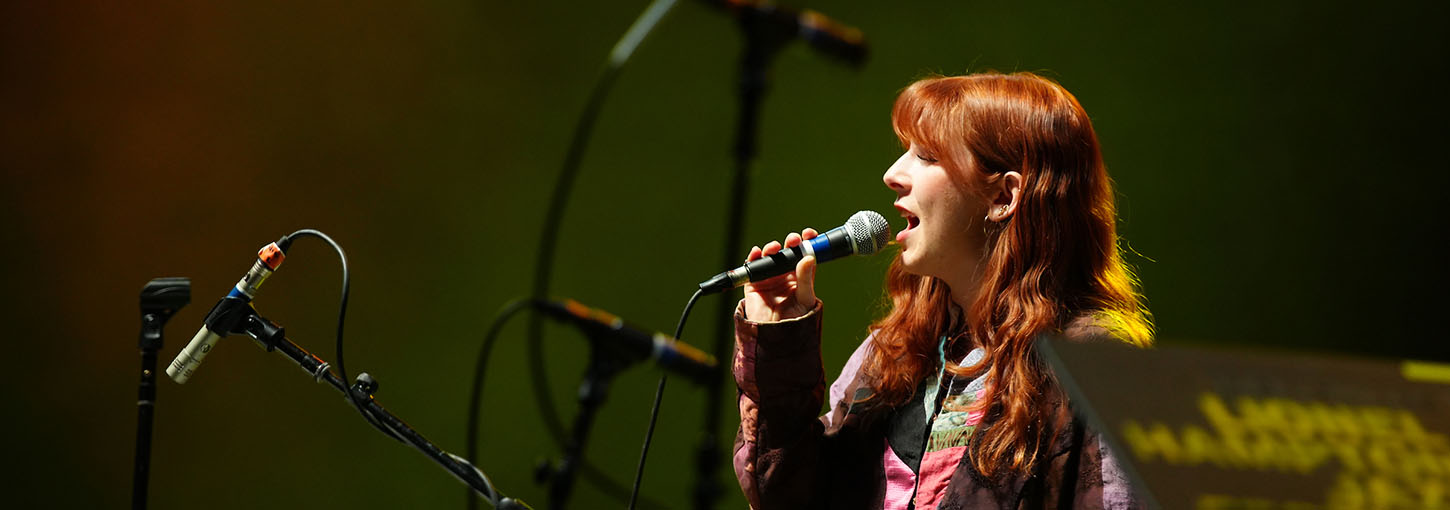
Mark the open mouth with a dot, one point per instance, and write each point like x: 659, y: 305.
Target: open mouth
x: 911, y: 223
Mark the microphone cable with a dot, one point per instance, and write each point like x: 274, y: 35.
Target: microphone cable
x: 475, y: 398
x: 654, y: 411
x: 286, y: 244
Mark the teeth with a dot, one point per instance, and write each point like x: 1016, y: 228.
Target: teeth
x: 911, y: 220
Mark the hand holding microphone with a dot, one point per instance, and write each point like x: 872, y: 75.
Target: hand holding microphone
x: 786, y: 296
x: 864, y: 233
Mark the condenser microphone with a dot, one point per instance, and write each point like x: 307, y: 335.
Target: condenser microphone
x: 217, y: 321
x: 604, y: 327
x: 865, y: 233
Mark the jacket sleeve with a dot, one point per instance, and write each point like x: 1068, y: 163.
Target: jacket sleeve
x: 1090, y: 476
x: 778, y: 369
x: 1115, y: 492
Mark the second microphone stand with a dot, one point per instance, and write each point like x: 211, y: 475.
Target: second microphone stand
x: 604, y: 364
x: 160, y: 299
x: 763, y: 41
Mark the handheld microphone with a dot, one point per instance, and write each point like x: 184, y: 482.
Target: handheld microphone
x: 666, y: 351
x: 221, y: 320
x: 865, y: 233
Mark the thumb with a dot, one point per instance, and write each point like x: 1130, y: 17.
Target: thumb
x: 805, y: 277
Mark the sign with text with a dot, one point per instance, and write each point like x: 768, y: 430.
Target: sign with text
x: 1216, y: 429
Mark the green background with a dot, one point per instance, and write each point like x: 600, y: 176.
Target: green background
x: 1280, y: 174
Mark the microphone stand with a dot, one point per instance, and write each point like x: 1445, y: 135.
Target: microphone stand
x: 272, y: 337
x: 604, y: 364
x: 763, y: 41
x: 160, y: 299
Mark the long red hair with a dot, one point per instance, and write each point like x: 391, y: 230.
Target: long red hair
x: 1055, y: 261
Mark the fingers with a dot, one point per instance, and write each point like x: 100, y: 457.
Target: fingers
x: 792, y: 240
x: 805, y: 277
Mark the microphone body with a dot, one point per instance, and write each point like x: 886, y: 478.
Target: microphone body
x: 826, y: 35
x: 865, y: 233
x: 223, y: 317
x: 666, y: 351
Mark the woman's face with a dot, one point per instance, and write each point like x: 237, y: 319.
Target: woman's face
x: 943, y: 235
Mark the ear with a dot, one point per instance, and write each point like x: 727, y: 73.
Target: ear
x: 1006, y: 197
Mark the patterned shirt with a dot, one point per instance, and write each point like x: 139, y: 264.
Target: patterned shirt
x: 788, y: 456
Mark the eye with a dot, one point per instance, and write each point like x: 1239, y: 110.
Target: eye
x: 925, y: 158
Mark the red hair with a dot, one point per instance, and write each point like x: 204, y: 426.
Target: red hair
x: 1055, y: 261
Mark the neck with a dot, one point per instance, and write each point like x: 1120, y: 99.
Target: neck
x: 961, y: 302
x: 964, y: 289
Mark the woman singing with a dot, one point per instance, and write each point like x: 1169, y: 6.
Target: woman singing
x: 1010, y: 234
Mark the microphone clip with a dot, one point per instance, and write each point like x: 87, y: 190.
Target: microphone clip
x: 160, y: 299
x: 228, y: 316
x: 235, y: 315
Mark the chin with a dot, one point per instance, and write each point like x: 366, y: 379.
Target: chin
x: 911, y: 265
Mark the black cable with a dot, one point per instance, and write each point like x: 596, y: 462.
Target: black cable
x: 285, y: 244
x: 491, y: 492
x: 654, y: 411
x: 476, y: 397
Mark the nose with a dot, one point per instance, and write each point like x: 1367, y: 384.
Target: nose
x: 896, y: 177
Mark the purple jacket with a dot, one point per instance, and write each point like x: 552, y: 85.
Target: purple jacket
x: 786, y: 456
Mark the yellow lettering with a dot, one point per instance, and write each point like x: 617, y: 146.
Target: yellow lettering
x: 1432, y: 495
x: 1378, y: 421
x: 1214, y: 502
x: 1294, y: 419
x: 1336, y: 423
x: 1231, y: 431
x: 1420, y: 463
x: 1379, y: 458
x: 1349, y: 457
x: 1266, y: 452
x: 1306, y: 456
x: 1156, y: 441
x: 1199, y: 447
x: 1410, y: 428
x: 1386, y: 457
x: 1219, y: 417
x: 1346, y: 494
x: 1385, y: 493
x: 1255, y: 416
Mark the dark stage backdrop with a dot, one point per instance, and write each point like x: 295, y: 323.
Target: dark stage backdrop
x: 1279, y: 167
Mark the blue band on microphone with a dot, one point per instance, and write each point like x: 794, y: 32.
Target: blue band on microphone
x: 821, y: 247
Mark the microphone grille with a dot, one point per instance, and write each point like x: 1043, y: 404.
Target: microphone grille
x: 868, y: 231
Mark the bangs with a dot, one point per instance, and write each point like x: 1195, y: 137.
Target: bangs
x: 927, y: 114
x: 906, y: 117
